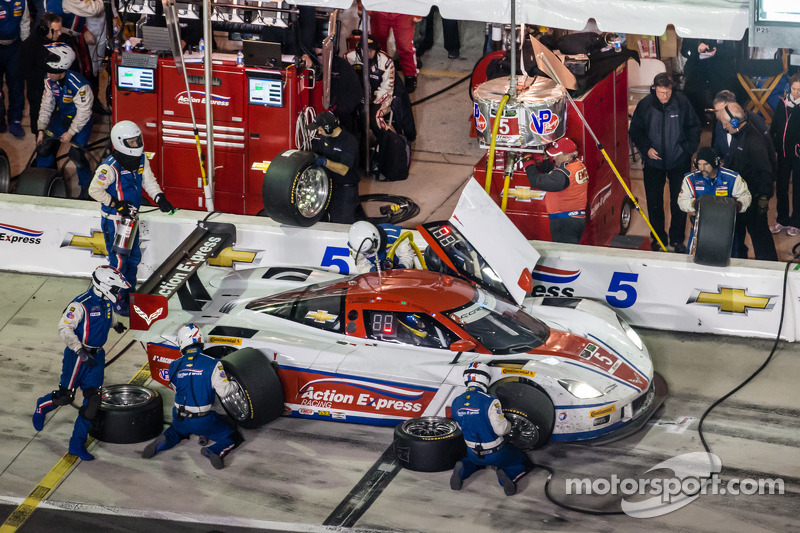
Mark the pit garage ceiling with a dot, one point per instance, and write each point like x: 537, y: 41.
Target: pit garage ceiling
x: 717, y: 19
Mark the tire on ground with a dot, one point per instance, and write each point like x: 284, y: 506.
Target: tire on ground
x: 530, y: 412
x: 128, y: 414
x: 295, y: 190
x: 259, y: 394
x: 5, y: 173
x: 41, y: 182
x: 625, y: 216
x: 429, y: 444
x: 714, y: 230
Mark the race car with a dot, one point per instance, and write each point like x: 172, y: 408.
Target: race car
x: 387, y: 347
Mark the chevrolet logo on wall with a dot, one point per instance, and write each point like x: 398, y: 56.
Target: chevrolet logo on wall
x: 730, y: 300
x: 95, y: 243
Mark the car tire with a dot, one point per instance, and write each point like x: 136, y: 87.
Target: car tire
x: 5, y: 173
x: 258, y: 398
x: 128, y: 414
x: 429, y: 444
x: 41, y: 182
x: 625, y: 216
x: 530, y: 412
x: 714, y: 230
x: 295, y: 190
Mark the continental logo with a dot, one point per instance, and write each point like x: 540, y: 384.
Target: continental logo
x: 604, y: 411
x: 729, y: 300
x: 519, y: 371
x: 225, y: 340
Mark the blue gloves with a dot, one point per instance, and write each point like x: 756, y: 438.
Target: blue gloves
x: 321, y: 161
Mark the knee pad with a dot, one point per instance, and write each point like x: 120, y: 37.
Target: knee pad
x: 93, y: 399
x: 63, y: 396
x: 77, y: 156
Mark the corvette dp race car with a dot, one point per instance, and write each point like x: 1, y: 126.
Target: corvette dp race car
x: 388, y: 347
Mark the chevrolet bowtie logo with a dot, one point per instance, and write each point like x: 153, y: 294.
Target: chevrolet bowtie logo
x: 321, y: 316
x: 525, y: 194
x: 731, y: 300
x: 96, y: 243
x: 228, y: 256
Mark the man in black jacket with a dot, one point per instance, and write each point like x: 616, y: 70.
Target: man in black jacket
x: 750, y: 156
x: 666, y: 130
x: 34, y: 55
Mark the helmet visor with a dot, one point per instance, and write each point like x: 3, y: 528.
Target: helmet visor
x: 133, y: 142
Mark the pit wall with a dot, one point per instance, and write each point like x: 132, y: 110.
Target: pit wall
x: 651, y: 289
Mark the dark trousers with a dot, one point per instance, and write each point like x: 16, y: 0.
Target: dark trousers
x: 567, y: 229
x: 754, y: 222
x: 344, y: 201
x: 9, y: 68
x: 654, y: 180
x: 34, y: 94
x: 452, y: 41
x: 788, y: 172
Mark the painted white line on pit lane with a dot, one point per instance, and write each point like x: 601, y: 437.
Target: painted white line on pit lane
x: 230, y: 521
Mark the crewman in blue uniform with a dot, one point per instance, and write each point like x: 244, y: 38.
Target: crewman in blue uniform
x: 84, y: 328
x: 118, y: 184
x: 480, y: 417
x: 15, y: 26
x: 370, y: 243
x: 196, y: 378
x: 711, y: 178
x: 65, y: 115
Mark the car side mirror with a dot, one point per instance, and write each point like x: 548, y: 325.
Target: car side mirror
x: 462, y: 346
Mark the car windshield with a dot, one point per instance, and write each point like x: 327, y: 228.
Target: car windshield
x: 498, y: 325
x: 319, y: 306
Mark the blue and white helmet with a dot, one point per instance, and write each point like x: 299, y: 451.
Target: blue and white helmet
x: 477, y: 374
x: 189, y: 335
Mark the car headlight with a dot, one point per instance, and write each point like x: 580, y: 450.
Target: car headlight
x: 579, y: 389
x: 632, y: 335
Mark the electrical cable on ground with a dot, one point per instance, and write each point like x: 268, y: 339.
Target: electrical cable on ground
x: 796, y: 259
x: 399, y: 208
x: 437, y: 93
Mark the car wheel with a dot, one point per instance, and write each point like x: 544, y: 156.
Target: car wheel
x: 714, y: 229
x: 258, y: 397
x: 5, y: 173
x: 625, y: 216
x: 128, y: 414
x: 530, y: 412
x: 429, y: 444
x: 295, y: 190
x: 41, y: 182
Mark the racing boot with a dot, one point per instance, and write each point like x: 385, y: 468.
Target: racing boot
x: 216, y: 461
x: 509, y: 487
x: 154, y: 447
x: 77, y: 443
x: 455, y: 478
x: 44, y: 405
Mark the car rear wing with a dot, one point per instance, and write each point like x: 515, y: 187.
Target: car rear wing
x: 178, y: 274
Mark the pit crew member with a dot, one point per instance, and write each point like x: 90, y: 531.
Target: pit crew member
x: 480, y: 417
x: 196, y: 378
x: 337, y: 151
x: 84, y: 329
x: 711, y: 178
x: 65, y: 114
x: 117, y: 185
x: 369, y: 245
x: 566, y: 185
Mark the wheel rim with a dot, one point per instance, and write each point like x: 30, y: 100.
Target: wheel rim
x: 430, y: 426
x: 311, y: 192
x: 625, y: 216
x: 236, y: 403
x: 524, y: 433
x: 126, y: 395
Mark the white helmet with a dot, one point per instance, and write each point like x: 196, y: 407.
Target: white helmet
x: 108, y: 282
x: 126, y: 138
x: 363, y: 237
x: 61, y: 57
x: 189, y: 335
x: 477, y: 374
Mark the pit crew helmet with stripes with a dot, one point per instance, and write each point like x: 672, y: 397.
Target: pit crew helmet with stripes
x: 60, y: 59
x: 189, y: 335
x: 109, y: 282
x: 126, y: 138
x: 477, y: 374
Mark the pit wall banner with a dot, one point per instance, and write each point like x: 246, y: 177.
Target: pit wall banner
x: 650, y: 289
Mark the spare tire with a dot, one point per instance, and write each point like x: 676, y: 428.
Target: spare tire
x: 714, y: 230
x: 258, y: 398
x: 429, y: 444
x: 128, y: 414
x: 295, y: 190
x: 41, y: 182
x: 5, y: 173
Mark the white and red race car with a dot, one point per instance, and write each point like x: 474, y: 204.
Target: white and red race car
x: 384, y: 348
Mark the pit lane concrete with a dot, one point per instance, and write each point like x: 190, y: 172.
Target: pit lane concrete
x: 292, y: 474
